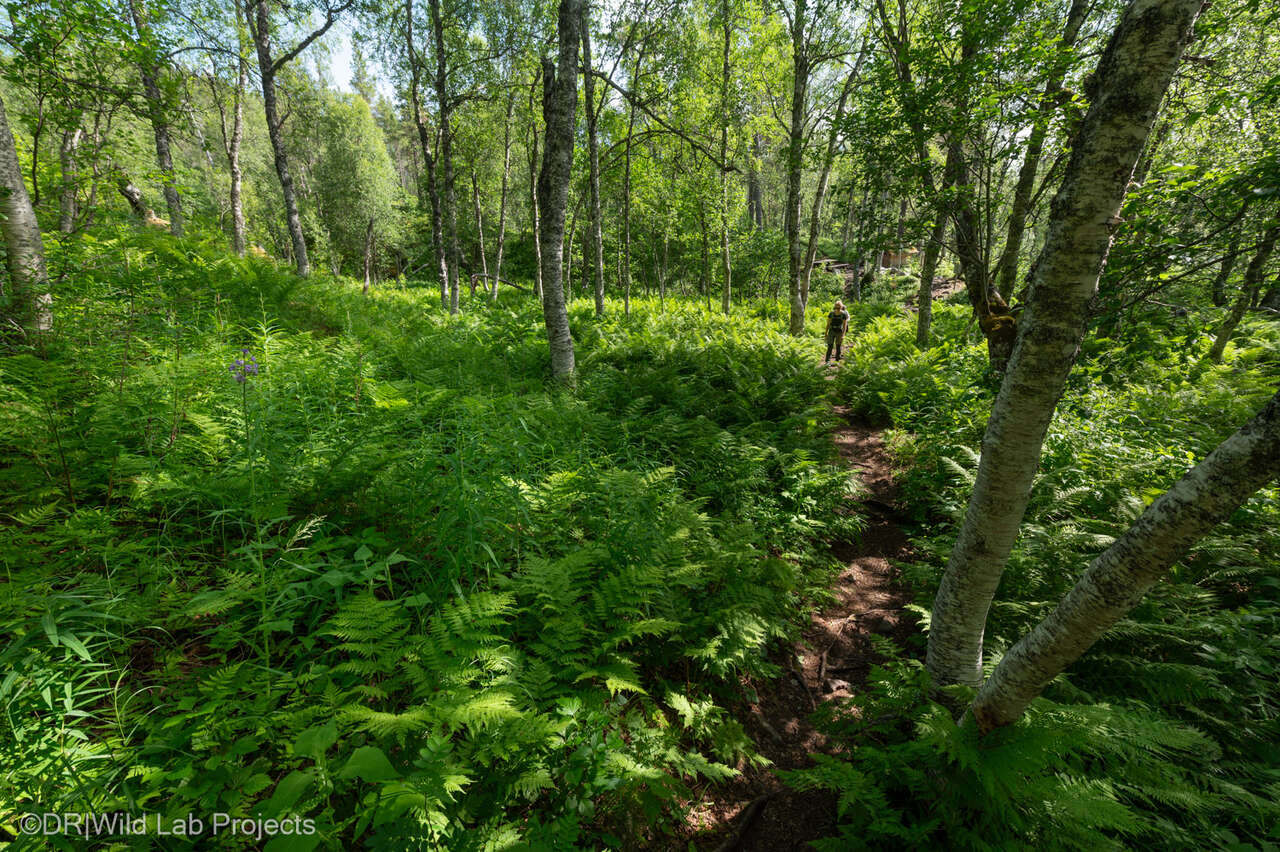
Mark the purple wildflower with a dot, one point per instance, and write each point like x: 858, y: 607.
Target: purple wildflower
x: 243, y: 368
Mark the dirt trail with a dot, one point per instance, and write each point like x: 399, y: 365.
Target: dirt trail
x: 831, y: 662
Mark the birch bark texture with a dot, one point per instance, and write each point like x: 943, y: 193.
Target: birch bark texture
x: 596, y: 241
x: 28, y: 302
x: 1129, y: 84
x: 559, y: 111
x: 1118, y: 578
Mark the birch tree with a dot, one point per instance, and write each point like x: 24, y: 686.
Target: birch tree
x: 559, y: 111
x: 1117, y: 579
x: 1127, y: 88
x: 27, y: 302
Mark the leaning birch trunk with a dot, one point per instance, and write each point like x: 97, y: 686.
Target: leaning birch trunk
x: 820, y: 194
x: 28, y: 301
x: 596, y: 233
x: 559, y: 110
x: 1007, y: 273
x: 1253, y: 276
x: 795, y: 165
x: 506, y: 185
x: 1117, y: 579
x: 1130, y: 82
x: 149, y: 71
x: 267, y: 70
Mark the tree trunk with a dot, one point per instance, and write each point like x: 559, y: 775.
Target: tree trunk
x: 506, y: 184
x: 444, y: 107
x: 726, y: 268
x: 67, y: 207
x: 596, y: 233
x: 795, y: 163
x: 1253, y: 276
x: 475, y: 198
x: 928, y: 265
x: 149, y: 70
x: 28, y: 302
x: 755, y: 196
x: 1007, y: 273
x: 1218, y: 290
x: 847, y: 229
x: 815, y: 218
x: 533, y: 188
x: 267, y: 71
x: 559, y: 108
x: 1128, y: 87
x: 626, y: 190
x: 1117, y: 579
x: 368, y: 256
x: 427, y: 143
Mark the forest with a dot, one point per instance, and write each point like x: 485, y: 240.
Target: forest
x: 644, y: 425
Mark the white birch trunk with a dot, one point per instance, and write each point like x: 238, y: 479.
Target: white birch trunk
x: 1130, y: 82
x: 28, y: 301
x: 1117, y: 579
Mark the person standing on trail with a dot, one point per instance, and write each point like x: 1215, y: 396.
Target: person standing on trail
x: 837, y: 325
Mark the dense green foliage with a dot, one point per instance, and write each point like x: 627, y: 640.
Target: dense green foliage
x: 1164, y: 735
x: 391, y: 581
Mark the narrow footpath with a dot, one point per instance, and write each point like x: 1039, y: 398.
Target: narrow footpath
x: 831, y: 662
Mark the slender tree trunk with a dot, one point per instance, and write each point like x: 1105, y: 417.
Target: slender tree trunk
x: 427, y: 144
x: 506, y: 184
x: 475, y: 198
x: 444, y: 107
x: 1129, y: 85
x: 795, y: 162
x: 368, y: 256
x: 533, y: 187
x: 150, y: 73
x: 596, y: 234
x: 1218, y: 290
x: 1007, y: 273
x: 559, y: 108
x: 900, y: 236
x: 1117, y: 579
x: 1253, y: 277
x: 847, y: 229
x: 267, y: 71
x: 626, y: 192
x: 67, y: 207
x: 28, y: 301
x: 755, y: 195
x: 928, y: 265
x: 726, y: 268
x: 820, y: 194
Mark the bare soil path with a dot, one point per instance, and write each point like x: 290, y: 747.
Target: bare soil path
x: 756, y: 812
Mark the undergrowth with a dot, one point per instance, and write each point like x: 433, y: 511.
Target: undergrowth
x: 389, y: 579
x: 1164, y: 735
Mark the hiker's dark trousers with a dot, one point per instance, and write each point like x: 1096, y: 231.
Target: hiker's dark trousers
x: 836, y: 340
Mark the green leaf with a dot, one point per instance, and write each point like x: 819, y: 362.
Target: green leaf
x: 287, y: 792
x: 314, y: 742
x: 369, y: 763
